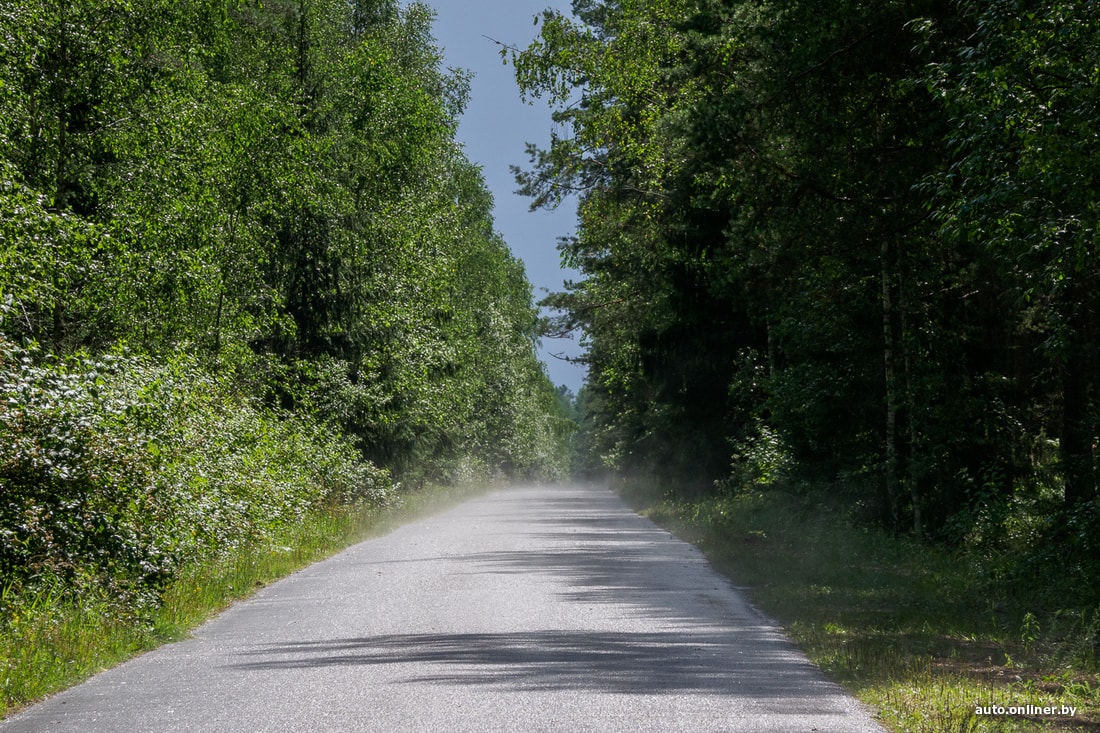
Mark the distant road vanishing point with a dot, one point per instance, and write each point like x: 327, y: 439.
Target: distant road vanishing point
x: 530, y: 609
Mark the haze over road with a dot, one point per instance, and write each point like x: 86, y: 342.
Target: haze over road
x: 532, y: 609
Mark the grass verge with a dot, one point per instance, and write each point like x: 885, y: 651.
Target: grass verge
x: 917, y: 632
x: 50, y: 643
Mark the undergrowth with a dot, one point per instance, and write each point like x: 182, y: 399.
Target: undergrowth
x: 118, y: 471
x: 122, y: 480
x: 919, y: 632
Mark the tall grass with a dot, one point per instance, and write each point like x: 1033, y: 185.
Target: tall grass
x: 916, y: 631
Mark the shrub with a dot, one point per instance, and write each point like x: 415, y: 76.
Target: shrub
x: 118, y: 470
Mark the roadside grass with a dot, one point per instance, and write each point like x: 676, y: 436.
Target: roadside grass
x: 49, y: 643
x: 915, y: 631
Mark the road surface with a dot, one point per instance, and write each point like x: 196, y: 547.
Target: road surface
x: 531, y: 609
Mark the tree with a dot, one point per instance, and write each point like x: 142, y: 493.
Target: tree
x: 1023, y: 97
x: 274, y: 188
x: 738, y: 206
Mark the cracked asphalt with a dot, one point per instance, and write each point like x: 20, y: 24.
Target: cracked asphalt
x: 530, y: 609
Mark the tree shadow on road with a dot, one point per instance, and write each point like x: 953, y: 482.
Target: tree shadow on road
x: 746, y: 663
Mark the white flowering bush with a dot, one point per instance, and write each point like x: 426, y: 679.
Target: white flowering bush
x: 115, y: 471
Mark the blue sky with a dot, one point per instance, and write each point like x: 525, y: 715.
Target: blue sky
x: 494, y: 131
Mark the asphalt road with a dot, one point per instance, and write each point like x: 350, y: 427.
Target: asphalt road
x: 532, y: 609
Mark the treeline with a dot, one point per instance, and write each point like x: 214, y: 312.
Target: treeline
x: 852, y: 244
x: 246, y: 273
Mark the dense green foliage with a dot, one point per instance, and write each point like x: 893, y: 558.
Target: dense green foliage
x: 118, y: 471
x: 840, y: 242
x: 243, y: 262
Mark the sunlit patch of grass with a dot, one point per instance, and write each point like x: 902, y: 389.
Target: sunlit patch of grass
x: 909, y: 628
x: 49, y: 640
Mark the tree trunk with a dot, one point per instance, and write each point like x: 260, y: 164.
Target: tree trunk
x: 1076, y: 434
x: 911, y: 479
x: 890, y: 376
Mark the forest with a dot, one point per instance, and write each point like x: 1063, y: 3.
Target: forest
x: 246, y: 275
x: 841, y: 251
x: 845, y: 248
